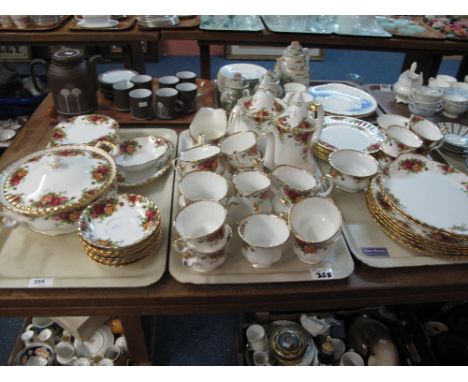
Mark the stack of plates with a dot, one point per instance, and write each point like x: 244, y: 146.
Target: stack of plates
x: 120, y: 230
x: 45, y: 20
x: 347, y: 133
x: 250, y: 72
x: 455, y: 139
x: 436, y: 224
x: 157, y: 21
x: 111, y: 77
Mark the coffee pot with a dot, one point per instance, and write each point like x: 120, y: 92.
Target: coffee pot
x: 293, y: 65
x: 72, y: 81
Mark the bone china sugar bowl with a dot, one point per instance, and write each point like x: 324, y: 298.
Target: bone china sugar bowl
x: 47, y: 190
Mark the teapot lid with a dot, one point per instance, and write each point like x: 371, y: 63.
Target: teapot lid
x: 67, y: 56
x: 294, y: 49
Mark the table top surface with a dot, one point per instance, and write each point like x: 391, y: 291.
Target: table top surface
x: 365, y: 287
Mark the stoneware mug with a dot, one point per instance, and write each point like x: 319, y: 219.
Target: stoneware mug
x: 141, y: 103
x: 168, y: 106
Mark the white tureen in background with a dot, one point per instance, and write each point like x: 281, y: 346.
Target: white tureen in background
x: 293, y: 65
x: 47, y: 190
x: 407, y: 81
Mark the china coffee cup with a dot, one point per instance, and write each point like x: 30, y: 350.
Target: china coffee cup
x: 352, y: 170
x: 168, y: 106
x: 201, y: 227
x: 202, y: 158
x: 455, y: 102
x: 315, y: 224
x: 203, y: 185
x: 188, y: 96
x: 257, y: 338
x: 404, y: 139
x: 240, y: 149
x: 141, y: 103
x: 143, y: 81
x: 429, y: 133
x: 186, y: 76
x: 208, y: 126
x: 263, y: 239
x: 168, y: 82
x: 121, y: 92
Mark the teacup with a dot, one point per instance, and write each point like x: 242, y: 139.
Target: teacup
x: 297, y: 183
x: 315, y: 224
x: 65, y: 353
x: 201, y: 227
x: 263, y: 237
x: 202, y: 185
x: 404, y: 139
x: 387, y: 154
x: 446, y: 78
x: 455, y: 102
x: 252, y: 194
x: 208, y: 126
x: 240, y: 149
x: 201, y: 158
x: 294, y: 87
x: 203, y: 261
x: 429, y: 133
x: 352, y: 170
x: 28, y: 337
x: 426, y: 94
x: 438, y: 84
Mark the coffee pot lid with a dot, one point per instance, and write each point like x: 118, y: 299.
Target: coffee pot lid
x: 66, y: 56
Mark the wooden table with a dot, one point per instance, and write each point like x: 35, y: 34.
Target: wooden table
x: 428, y: 53
x: 130, y: 39
x: 365, y: 287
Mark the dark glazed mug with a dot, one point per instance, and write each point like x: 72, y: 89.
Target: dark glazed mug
x: 188, y: 95
x: 186, y: 76
x: 168, y: 106
x: 121, y: 98
x: 143, y: 81
x: 168, y: 82
x: 141, y: 103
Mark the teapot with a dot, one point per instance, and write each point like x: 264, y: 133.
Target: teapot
x: 293, y: 65
x: 270, y: 81
x: 407, y: 81
x: 72, y: 81
x: 234, y: 89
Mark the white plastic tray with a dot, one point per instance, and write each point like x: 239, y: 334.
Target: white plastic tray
x: 29, y: 259
x: 236, y: 269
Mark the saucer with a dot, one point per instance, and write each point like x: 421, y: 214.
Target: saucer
x: 111, y: 24
x: 141, y: 153
x: 97, y: 344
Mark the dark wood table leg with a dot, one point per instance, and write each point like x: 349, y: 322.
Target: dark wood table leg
x: 428, y: 63
x: 134, y: 58
x: 463, y: 68
x: 205, y: 60
x: 135, y: 337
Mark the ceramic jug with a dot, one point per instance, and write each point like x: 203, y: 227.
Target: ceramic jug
x: 72, y: 81
x: 294, y: 133
x: 234, y: 89
x: 293, y: 65
x: 407, y: 81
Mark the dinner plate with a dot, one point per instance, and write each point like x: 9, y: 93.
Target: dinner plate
x: 97, y: 344
x: 430, y: 193
x: 344, y: 100
x: 350, y: 133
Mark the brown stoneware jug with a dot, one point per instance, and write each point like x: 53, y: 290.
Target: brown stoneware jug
x: 72, y: 81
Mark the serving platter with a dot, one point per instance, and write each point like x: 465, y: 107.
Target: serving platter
x: 59, y: 262
x: 344, y: 100
x: 236, y: 269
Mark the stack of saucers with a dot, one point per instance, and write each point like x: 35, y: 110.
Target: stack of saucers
x: 120, y: 229
x: 455, y: 139
x: 157, y: 21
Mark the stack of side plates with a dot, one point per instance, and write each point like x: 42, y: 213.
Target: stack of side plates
x: 153, y: 21
x: 455, y: 139
x: 120, y: 229
x: 436, y: 224
x: 347, y: 133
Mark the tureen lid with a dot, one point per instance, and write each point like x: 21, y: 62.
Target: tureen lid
x: 58, y: 179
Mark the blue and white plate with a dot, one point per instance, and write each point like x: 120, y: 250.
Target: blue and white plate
x: 344, y: 100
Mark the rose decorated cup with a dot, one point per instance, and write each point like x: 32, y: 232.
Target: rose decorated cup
x: 429, y: 133
x: 352, y: 170
x: 201, y: 227
x: 202, y: 158
x: 202, y: 185
x: 315, y: 224
x: 404, y: 139
x: 240, y: 149
x: 263, y: 239
x: 208, y: 126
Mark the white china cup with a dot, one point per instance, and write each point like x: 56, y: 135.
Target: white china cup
x: 257, y: 338
x: 351, y: 358
x: 454, y: 104
x: 240, y: 149
x: 404, y: 139
x: 47, y: 336
x: 387, y: 120
x: 200, y: 158
x: 202, y: 185
x: 291, y: 87
x: 429, y: 133
x: 297, y: 183
x: 208, y: 126
x: 65, y: 353
x: 352, y: 170
x: 252, y: 194
x: 201, y: 226
x: 264, y: 237
x: 27, y: 337
x: 439, y: 84
x: 315, y: 224
x: 387, y: 154
x: 446, y: 78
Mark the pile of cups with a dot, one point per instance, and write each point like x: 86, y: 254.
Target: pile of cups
x: 425, y: 101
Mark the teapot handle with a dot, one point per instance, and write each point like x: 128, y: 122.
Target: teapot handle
x: 33, y: 73
x: 330, y: 185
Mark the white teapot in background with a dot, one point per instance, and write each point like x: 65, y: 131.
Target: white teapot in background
x: 270, y: 81
x: 407, y: 81
x: 293, y: 65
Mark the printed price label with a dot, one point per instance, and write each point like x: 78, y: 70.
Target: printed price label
x: 322, y: 274
x: 385, y: 87
x: 375, y: 251
x: 41, y: 283
x: 142, y: 104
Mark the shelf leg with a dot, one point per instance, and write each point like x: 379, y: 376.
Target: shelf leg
x: 205, y: 60
x: 135, y: 337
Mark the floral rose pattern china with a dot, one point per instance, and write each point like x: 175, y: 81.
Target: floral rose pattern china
x: 142, y: 152
x: 119, y: 221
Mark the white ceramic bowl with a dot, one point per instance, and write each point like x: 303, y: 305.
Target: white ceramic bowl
x: 407, y: 140
x: 7, y: 134
x: 145, y: 152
